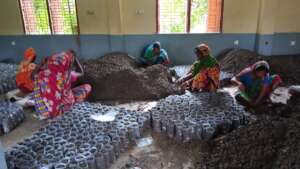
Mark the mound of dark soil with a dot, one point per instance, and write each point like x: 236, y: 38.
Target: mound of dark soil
x: 118, y: 77
x: 287, y: 67
x: 272, y: 142
x: 233, y: 61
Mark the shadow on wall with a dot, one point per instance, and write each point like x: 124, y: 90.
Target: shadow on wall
x: 179, y: 46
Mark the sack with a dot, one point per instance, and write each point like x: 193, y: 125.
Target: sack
x: 11, y: 115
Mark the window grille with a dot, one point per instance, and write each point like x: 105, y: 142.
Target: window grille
x: 49, y: 16
x: 199, y: 12
x: 173, y: 16
x: 196, y: 16
x: 35, y: 16
x: 63, y: 16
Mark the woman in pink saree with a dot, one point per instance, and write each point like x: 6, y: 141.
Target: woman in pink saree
x: 53, y: 93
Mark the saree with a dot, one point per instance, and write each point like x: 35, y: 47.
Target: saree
x: 206, y: 74
x: 253, y: 91
x: 52, y: 91
x: 24, y: 79
x: 207, y: 79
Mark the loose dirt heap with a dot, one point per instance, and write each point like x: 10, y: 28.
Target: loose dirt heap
x: 117, y: 76
x: 272, y: 142
x: 234, y: 60
x: 287, y: 67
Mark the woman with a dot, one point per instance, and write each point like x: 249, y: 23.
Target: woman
x: 205, y: 72
x: 53, y: 93
x: 153, y: 54
x: 255, y: 84
x: 24, y: 79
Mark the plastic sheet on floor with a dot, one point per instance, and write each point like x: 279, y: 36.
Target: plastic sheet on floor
x: 143, y: 142
x: 109, y: 116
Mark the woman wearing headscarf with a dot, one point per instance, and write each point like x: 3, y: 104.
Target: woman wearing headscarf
x: 205, y: 72
x: 255, y: 84
x: 153, y: 54
x: 24, y: 78
x: 53, y: 93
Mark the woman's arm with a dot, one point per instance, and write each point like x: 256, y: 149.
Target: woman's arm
x: 79, y: 69
x: 261, y: 95
x: 187, y: 83
x: 185, y: 78
x: 166, y: 62
x: 236, y: 81
x: 38, y: 67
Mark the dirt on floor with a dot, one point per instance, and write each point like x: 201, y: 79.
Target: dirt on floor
x: 161, y: 153
x: 287, y: 66
x: 270, y: 138
x: 118, y: 76
x: 271, y: 142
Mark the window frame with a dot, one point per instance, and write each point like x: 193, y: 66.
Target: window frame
x: 22, y: 17
x: 50, y: 22
x: 188, y: 23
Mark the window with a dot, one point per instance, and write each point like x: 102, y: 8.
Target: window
x: 49, y: 16
x: 35, y: 16
x: 196, y: 16
x: 172, y: 16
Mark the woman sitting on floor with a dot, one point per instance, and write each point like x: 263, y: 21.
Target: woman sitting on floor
x: 205, y: 72
x: 53, y: 93
x: 24, y: 79
x: 153, y: 54
x: 255, y: 84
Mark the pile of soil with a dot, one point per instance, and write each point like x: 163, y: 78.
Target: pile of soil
x: 234, y: 60
x: 271, y: 142
x: 287, y: 66
x: 118, y: 77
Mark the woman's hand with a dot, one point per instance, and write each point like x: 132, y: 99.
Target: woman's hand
x: 37, y: 68
x: 180, y: 81
x: 261, y: 96
x: 184, y: 85
x: 79, y: 68
x: 253, y: 103
x: 166, y: 62
x: 242, y: 87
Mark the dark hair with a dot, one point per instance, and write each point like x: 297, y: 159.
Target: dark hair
x: 156, y: 45
x: 72, y: 52
x: 262, y: 68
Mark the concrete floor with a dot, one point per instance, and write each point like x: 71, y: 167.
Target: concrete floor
x: 162, y: 153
